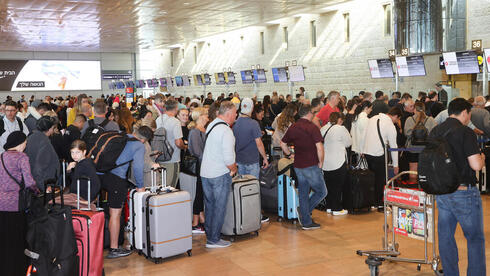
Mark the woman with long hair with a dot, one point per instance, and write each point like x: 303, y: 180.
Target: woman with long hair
x: 268, y: 117
x: 284, y: 121
x: 419, y: 120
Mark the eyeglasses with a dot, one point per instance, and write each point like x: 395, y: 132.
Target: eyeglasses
x: 10, y: 110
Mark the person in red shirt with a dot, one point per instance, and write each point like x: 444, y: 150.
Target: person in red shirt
x: 322, y: 117
x: 308, y: 160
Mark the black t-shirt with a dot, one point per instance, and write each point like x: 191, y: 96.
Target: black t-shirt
x: 433, y: 108
x: 463, y: 144
x: 85, y: 168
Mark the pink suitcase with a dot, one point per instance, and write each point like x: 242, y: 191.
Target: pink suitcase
x: 89, y: 233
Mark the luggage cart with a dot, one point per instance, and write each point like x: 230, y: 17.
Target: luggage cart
x: 416, y: 201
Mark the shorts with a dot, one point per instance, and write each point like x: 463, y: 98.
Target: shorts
x: 117, y: 190
x: 413, y: 157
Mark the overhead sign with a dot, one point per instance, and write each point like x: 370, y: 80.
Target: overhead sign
x: 410, y: 66
x: 380, y: 68
x: 476, y: 45
x: 296, y: 73
x: 117, y: 74
x: 487, y: 58
x: 461, y: 63
x: 49, y: 75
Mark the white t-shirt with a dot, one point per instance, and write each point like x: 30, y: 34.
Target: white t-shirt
x: 335, y: 143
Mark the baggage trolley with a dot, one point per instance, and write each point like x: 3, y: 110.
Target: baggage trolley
x: 410, y: 201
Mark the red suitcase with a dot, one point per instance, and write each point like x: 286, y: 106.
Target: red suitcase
x: 89, y: 233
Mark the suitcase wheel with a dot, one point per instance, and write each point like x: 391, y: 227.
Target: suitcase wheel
x: 157, y: 260
x: 279, y: 219
x: 189, y: 253
x: 232, y: 239
x: 294, y: 222
x: 257, y: 233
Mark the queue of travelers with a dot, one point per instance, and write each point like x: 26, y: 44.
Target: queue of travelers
x: 230, y: 135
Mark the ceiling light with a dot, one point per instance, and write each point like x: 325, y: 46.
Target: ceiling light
x: 186, y: 3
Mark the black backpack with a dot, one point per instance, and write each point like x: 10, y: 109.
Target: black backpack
x: 161, y: 145
x: 107, y: 149
x: 93, y: 132
x: 419, y: 133
x: 437, y: 171
x: 2, y: 125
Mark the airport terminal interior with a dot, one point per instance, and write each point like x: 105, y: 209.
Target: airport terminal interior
x: 191, y: 48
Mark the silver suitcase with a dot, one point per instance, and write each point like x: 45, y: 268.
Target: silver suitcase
x: 243, y: 211
x: 167, y: 218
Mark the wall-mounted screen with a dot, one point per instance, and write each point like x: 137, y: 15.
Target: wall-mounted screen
x: 206, y: 79
x: 461, y: 63
x: 186, y: 80
x: 296, y: 73
x: 410, y: 66
x: 247, y: 76
x: 151, y: 83
x: 163, y: 82
x: 259, y: 76
x: 197, y: 80
x: 179, y: 81
x: 280, y: 74
x: 487, y: 58
x: 112, y: 85
x: 49, y: 75
x: 170, y: 82
x: 230, y: 78
x: 120, y: 85
x: 130, y: 84
x: 380, y: 68
x: 220, y: 78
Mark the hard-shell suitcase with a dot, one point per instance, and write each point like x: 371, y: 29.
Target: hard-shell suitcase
x: 359, y: 190
x: 167, y: 217
x: 243, y: 210
x: 287, y: 198
x: 88, y: 226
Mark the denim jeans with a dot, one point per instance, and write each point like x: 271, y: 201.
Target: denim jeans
x: 465, y: 207
x: 310, y: 178
x: 216, y: 192
x: 252, y: 169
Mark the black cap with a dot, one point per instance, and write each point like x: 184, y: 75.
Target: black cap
x: 14, y: 139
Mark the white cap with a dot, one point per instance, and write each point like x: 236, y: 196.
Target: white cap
x: 247, y: 106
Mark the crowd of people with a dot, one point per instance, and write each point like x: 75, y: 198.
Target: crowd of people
x: 324, y: 135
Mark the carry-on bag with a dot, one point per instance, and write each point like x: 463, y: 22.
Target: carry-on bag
x: 51, y: 244
x: 89, y: 232
x: 287, y: 198
x: 167, y: 217
x: 359, y: 188
x: 243, y: 210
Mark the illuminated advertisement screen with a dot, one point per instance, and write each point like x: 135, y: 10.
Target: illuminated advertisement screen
x: 49, y: 75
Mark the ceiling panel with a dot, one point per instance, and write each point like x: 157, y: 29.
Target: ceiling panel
x: 128, y: 25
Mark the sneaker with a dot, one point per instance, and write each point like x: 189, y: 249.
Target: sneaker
x: 220, y: 244
x: 329, y: 211
x: 198, y: 229
x: 313, y: 225
x: 264, y: 219
x: 340, y: 213
x: 381, y: 209
x: 118, y: 253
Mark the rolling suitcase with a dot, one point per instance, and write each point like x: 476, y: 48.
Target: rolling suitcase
x: 167, y: 218
x: 88, y: 226
x: 359, y: 190
x: 243, y: 210
x: 287, y: 198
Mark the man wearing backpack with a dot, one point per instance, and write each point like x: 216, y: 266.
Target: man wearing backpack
x: 99, y: 121
x: 174, y: 135
x: 10, y: 123
x: 463, y: 205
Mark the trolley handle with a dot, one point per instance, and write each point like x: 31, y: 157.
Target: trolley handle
x: 390, y: 182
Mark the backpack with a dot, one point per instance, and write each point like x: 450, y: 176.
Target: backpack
x: 2, y: 125
x: 107, y: 149
x: 93, y: 132
x: 437, y: 171
x: 419, y: 133
x: 161, y: 145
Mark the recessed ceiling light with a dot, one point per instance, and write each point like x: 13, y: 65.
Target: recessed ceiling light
x: 186, y: 3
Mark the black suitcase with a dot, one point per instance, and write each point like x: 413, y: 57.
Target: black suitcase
x: 269, y: 199
x: 359, y: 190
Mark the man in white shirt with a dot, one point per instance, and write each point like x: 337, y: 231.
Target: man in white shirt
x: 10, y: 123
x: 374, y: 148
x: 174, y: 137
x: 217, y: 167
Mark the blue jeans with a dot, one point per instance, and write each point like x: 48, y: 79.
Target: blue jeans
x: 252, y: 169
x: 216, y: 192
x: 310, y: 178
x: 465, y: 207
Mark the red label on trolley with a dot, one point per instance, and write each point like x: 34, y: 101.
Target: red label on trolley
x: 399, y: 197
x: 402, y: 232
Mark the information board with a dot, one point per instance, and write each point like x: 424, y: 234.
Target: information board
x: 246, y: 76
x: 380, y: 68
x: 413, y: 66
x: 279, y: 74
x: 461, y: 63
x: 296, y: 73
x: 487, y: 58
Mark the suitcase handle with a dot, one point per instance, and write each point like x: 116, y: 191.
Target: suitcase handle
x: 52, y: 183
x: 163, y: 177
x: 78, y: 193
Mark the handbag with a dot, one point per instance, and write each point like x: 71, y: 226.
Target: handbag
x: 25, y: 195
x: 189, y: 164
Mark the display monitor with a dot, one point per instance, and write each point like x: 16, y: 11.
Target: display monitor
x: 220, y: 78
x: 112, y: 85
x: 137, y: 84
x: 197, y: 80
x: 186, y: 80
x: 487, y: 58
x: 142, y: 83
x: 151, y: 83
x: 230, y: 78
x: 49, y: 75
x: 280, y: 74
x: 206, y: 79
x: 296, y: 73
x: 413, y: 66
x: 259, y: 76
x: 179, y: 81
x: 380, y: 68
x: 247, y: 76
x: 130, y: 84
x: 163, y: 82
x: 461, y: 62
x: 170, y: 82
